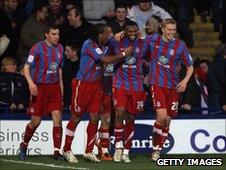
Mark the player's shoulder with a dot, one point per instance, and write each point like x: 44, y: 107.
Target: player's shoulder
x: 60, y: 46
x: 88, y: 43
x: 153, y: 37
x: 180, y: 42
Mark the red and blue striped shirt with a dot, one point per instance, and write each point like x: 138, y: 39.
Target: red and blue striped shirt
x: 129, y: 71
x: 90, y: 67
x: 45, y: 62
x: 165, y: 57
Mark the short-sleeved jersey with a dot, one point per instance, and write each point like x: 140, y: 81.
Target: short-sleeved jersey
x: 45, y: 62
x: 128, y: 72
x: 106, y: 80
x: 165, y: 57
x: 90, y: 68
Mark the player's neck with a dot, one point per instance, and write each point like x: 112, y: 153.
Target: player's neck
x: 49, y: 44
x: 165, y: 39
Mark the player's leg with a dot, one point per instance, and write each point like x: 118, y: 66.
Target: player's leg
x: 57, y: 134
x: 134, y: 107
x: 70, y: 130
x: 159, y: 101
x: 93, y: 108
x: 78, y: 104
x: 128, y: 136
x: 91, y: 137
x: 120, y: 102
x: 104, y: 136
x: 172, y: 107
x: 29, y: 131
x: 54, y: 106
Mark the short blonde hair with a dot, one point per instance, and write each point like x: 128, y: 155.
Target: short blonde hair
x: 168, y: 21
x: 7, y: 61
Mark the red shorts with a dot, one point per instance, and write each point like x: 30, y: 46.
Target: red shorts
x: 106, y: 103
x: 86, y: 97
x: 131, y: 100
x: 49, y: 98
x: 164, y: 98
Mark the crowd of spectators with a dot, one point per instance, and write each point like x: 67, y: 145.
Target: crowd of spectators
x: 23, y: 23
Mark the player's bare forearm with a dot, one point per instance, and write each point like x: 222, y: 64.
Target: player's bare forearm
x: 61, y: 82
x: 32, y: 86
x: 189, y: 73
x: 27, y: 74
x: 183, y: 84
x: 112, y: 58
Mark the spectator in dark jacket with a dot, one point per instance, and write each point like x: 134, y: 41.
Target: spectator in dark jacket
x: 196, y: 94
x: 76, y: 29
x: 219, y: 73
x: 14, y: 91
x: 217, y: 78
x: 120, y: 19
x: 32, y: 31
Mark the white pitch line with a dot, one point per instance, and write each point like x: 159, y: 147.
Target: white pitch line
x: 42, y: 164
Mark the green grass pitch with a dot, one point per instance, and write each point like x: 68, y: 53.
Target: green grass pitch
x: 139, y: 162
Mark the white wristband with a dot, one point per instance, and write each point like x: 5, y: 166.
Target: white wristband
x: 123, y: 54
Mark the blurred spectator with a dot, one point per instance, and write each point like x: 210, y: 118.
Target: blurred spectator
x: 218, y: 74
x: 56, y: 12
x: 141, y: 12
x: 12, y: 17
x: 14, y: 91
x: 4, y: 42
x: 153, y: 25
x: 217, y: 14
x: 196, y: 94
x: 223, y: 35
x: 32, y: 31
x: 203, y: 9
x: 69, y: 4
x: 71, y: 64
x: 99, y: 10
x: 217, y: 78
x: 117, y: 22
x: 76, y: 29
x: 184, y: 12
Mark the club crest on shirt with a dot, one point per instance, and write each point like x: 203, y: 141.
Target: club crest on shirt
x: 109, y: 68
x: 30, y: 58
x: 99, y: 51
x: 130, y: 60
x: 53, y: 66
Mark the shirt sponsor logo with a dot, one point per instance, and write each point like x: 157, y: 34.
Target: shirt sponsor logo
x: 99, y: 51
x: 129, y: 62
x: 30, y: 58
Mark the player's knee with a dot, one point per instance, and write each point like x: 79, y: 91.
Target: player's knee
x: 35, y: 123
